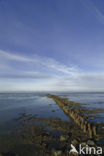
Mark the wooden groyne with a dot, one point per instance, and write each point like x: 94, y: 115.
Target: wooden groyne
x: 73, y: 110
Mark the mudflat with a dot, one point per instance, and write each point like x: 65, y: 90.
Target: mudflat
x: 53, y: 136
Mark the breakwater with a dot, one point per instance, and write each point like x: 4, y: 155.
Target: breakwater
x: 74, y: 111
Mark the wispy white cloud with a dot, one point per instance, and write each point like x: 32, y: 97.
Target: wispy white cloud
x: 48, y: 74
x: 44, y: 62
x: 81, y: 82
x: 11, y: 56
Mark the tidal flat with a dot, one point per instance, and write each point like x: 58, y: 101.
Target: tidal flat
x: 49, y: 130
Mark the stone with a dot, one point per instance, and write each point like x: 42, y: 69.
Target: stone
x: 90, y: 142
x: 64, y: 137
x: 74, y: 142
x: 83, y: 144
x: 57, y: 153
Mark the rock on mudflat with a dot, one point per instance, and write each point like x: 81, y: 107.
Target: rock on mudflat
x: 90, y: 142
x: 64, y: 137
x: 83, y: 144
x: 74, y: 142
x: 57, y: 153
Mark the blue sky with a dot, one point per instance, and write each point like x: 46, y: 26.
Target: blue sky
x: 55, y: 45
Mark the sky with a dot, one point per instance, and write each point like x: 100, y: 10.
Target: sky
x: 51, y: 45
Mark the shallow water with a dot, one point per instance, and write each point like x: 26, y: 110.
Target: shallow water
x: 12, y: 105
x: 17, y: 105
x: 92, y: 100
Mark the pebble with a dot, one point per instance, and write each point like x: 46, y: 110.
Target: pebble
x: 90, y: 142
x: 57, y: 153
x: 74, y: 142
x: 64, y: 137
x: 83, y: 144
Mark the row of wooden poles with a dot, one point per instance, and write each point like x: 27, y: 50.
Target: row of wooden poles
x: 86, y: 127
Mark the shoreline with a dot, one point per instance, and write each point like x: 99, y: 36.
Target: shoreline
x: 53, y: 136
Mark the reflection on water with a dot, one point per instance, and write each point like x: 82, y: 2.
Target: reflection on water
x: 24, y: 117
x: 12, y: 105
x: 92, y: 100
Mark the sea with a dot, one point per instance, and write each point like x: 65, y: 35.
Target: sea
x: 38, y: 104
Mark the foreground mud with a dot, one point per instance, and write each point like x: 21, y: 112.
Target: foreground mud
x: 52, y: 136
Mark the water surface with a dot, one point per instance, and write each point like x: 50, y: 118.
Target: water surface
x: 14, y: 104
x: 92, y: 100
